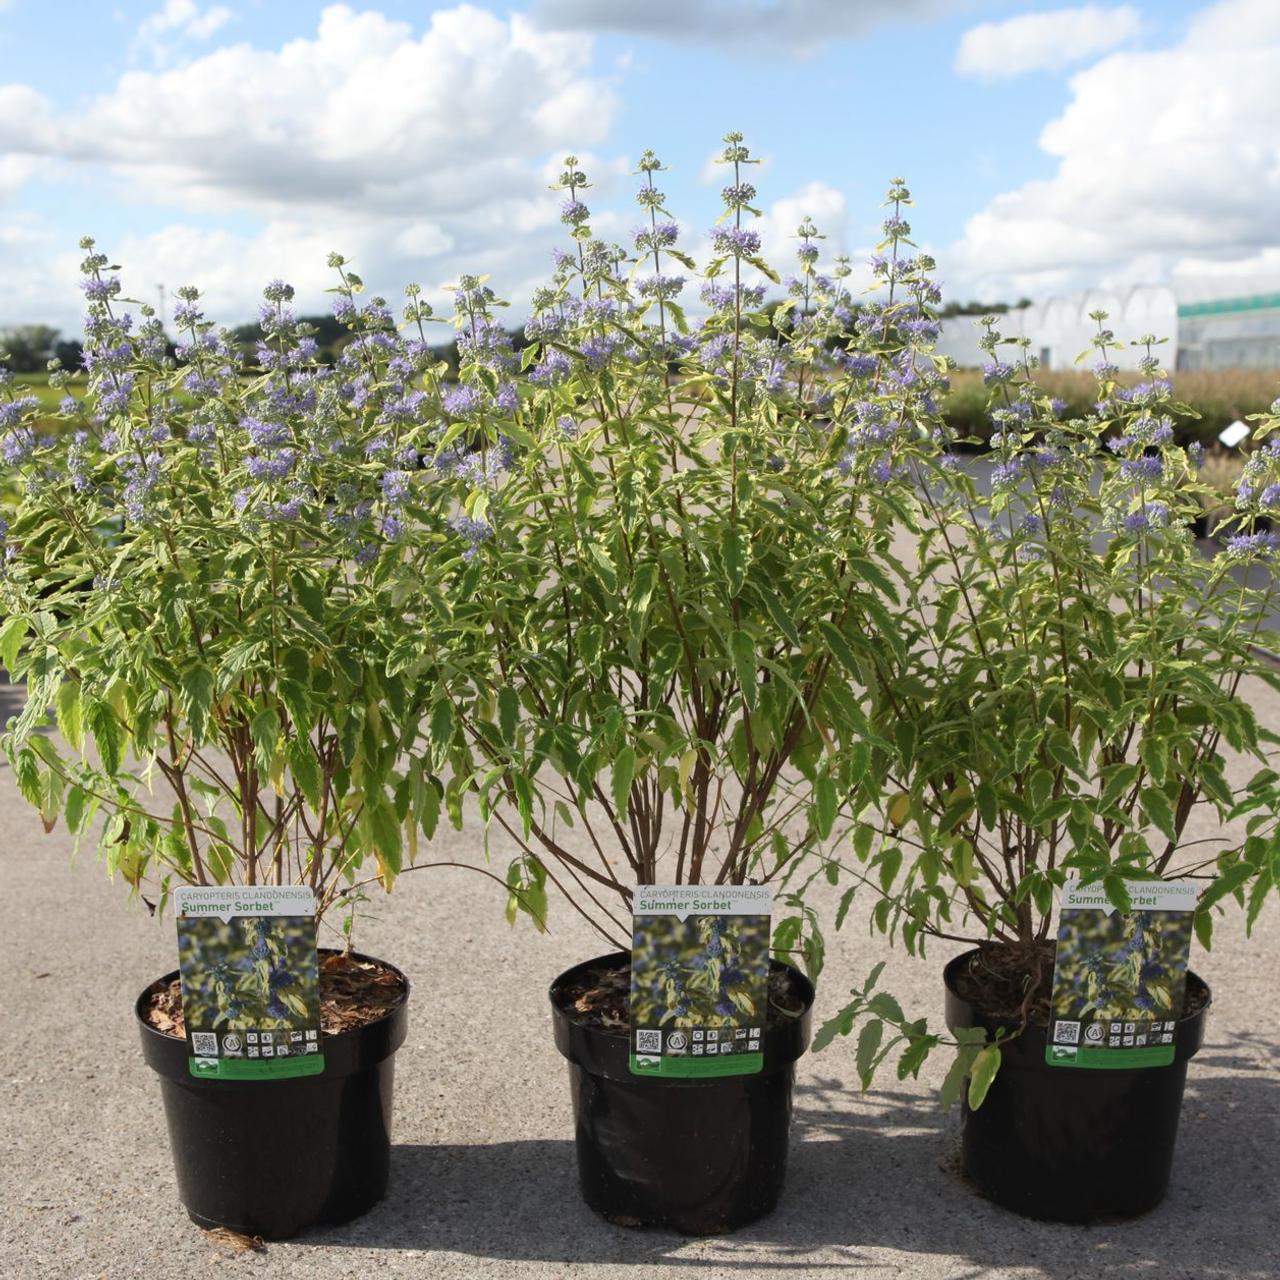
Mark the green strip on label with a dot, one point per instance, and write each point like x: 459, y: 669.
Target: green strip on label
x: 1109, y: 1059
x: 736, y: 1064
x: 243, y: 1069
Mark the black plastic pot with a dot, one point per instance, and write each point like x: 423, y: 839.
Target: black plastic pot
x: 1073, y: 1144
x: 271, y: 1157
x: 700, y: 1156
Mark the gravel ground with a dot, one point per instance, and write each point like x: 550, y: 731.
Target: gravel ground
x: 483, y: 1177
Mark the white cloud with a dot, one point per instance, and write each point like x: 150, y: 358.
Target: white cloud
x: 1044, y: 41
x: 15, y: 172
x: 1169, y: 153
x: 177, y: 23
x: 418, y: 153
x: 829, y: 211
x: 361, y: 115
x: 185, y: 18
x: 798, y: 26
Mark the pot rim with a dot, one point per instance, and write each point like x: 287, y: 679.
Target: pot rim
x: 605, y: 1052
x: 336, y: 1037
x: 808, y: 991
x: 1029, y: 1041
x: 344, y: 1052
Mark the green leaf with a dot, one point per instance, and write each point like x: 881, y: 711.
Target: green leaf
x: 898, y: 809
x: 833, y: 1027
x: 76, y: 808
x: 1257, y: 896
x: 890, y: 864
x: 508, y: 714
x: 1120, y: 779
x: 962, y: 863
x: 886, y: 1006
x: 1155, y: 755
x: 846, y: 901
x: 988, y: 809
x: 27, y: 772
x: 68, y: 713
x: 442, y: 725
x: 1062, y: 751
x: 608, y: 574
x: 1117, y: 891
x: 1156, y: 806
x: 624, y: 772
x: 868, y: 1046
x: 264, y: 729
x: 197, y: 700
x: 914, y: 1055
x: 779, y: 615
x: 310, y: 594
x: 825, y: 804
x: 527, y: 891
x: 1040, y: 788
x: 733, y: 550
x: 429, y: 812
x: 107, y: 736
x: 524, y: 801
x: 953, y: 1083
x: 305, y: 769
x: 982, y: 1074
x: 1203, y: 922
x: 387, y: 841
x: 840, y: 647
x: 12, y: 634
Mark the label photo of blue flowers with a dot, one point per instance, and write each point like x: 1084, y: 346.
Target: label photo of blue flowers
x: 250, y: 988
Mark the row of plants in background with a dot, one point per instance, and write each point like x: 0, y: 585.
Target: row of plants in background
x: 659, y: 598
x: 1215, y: 398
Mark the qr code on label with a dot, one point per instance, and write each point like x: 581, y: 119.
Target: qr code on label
x: 648, y: 1041
x: 1066, y: 1033
x: 205, y: 1044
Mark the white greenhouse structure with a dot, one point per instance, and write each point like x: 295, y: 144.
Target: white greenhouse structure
x: 1218, y: 333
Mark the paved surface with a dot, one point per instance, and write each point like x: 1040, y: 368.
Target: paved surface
x: 483, y: 1180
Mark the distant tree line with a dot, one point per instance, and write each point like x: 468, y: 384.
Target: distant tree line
x: 28, y: 348
x: 982, y: 308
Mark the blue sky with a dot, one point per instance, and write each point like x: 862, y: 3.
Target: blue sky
x: 220, y: 142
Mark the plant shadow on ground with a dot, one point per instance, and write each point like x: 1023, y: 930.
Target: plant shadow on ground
x: 871, y: 1177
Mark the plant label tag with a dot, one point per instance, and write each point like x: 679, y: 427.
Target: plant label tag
x: 250, y: 986
x: 699, y: 979
x: 1119, y: 976
x: 1235, y: 434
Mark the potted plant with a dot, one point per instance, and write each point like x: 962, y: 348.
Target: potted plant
x: 667, y: 588
x: 206, y: 576
x: 1071, y: 687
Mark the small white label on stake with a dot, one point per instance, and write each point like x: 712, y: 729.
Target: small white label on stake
x: 1237, y: 433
